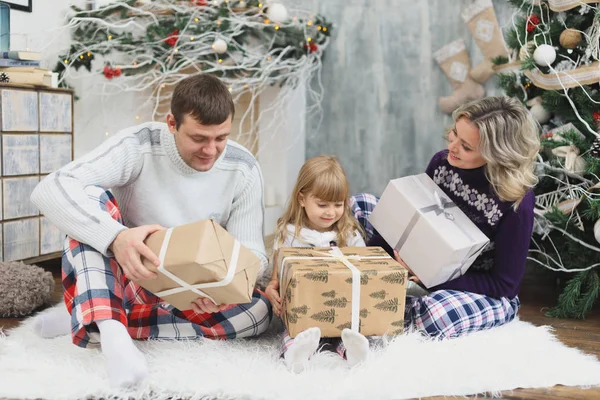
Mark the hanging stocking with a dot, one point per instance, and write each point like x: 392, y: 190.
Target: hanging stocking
x: 483, y: 24
x: 455, y: 62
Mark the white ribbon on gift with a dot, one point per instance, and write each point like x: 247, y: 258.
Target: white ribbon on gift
x: 336, y: 254
x: 184, y: 286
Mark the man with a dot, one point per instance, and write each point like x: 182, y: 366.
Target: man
x: 162, y: 175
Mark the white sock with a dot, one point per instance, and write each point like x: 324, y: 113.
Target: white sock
x: 357, y: 347
x: 126, y: 364
x: 305, y: 344
x: 56, y: 322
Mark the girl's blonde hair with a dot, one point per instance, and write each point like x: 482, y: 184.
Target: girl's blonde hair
x: 322, y: 177
x: 509, y: 143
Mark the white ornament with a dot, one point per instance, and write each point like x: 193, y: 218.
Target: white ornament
x: 277, y: 13
x: 540, y: 114
x: 219, y: 46
x: 544, y: 55
x: 597, y: 231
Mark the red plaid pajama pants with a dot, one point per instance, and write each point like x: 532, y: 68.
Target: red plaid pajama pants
x: 96, y: 289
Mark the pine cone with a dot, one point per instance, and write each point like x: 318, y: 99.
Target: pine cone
x: 595, y: 149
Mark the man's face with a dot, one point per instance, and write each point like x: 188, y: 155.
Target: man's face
x: 199, y: 145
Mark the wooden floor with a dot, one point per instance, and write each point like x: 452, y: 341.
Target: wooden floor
x: 537, y: 294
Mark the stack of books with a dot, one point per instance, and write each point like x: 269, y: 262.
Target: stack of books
x: 23, y: 68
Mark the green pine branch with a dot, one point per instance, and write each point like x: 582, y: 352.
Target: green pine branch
x: 500, y: 60
x: 592, y: 209
x: 593, y: 164
x: 528, y: 64
x: 578, y: 297
x: 514, y: 37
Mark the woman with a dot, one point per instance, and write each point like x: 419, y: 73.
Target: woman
x: 487, y: 171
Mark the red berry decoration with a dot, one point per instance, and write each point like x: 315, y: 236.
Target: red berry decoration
x: 171, y: 40
x: 532, y: 22
x: 108, y: 72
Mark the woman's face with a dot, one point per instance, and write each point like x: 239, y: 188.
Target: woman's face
x: 463, y: 146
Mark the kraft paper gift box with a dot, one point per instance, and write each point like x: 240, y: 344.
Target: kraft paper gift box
x: 360, y: 288
x: 433, y: 236
x: 200, y: 259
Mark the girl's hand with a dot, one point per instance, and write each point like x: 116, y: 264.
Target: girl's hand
x: 411, y: 275
x: 272, y: 292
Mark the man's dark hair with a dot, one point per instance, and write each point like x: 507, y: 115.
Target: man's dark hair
x: 204, y: 97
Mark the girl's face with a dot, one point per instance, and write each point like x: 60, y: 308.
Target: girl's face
x: 463, y: 146
x: 321, y: 214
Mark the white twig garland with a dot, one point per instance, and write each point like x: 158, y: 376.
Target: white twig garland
x: 258, y: 66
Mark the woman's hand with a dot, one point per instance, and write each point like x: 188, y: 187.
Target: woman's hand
x: 272, y: 292
x: 411, y: 275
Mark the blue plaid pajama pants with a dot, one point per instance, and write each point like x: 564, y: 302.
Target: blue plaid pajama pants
x: 443, y: 313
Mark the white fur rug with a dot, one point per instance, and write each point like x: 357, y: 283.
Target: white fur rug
x: 516, y: 355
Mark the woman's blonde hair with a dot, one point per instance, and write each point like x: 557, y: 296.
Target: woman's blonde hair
x: 322, y: 177
x: 509, y: 143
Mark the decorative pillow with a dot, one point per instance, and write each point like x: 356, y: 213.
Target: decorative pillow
x: 24, y: 288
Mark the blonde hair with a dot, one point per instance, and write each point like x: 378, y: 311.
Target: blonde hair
x: 509, y: 143
x: 322, y: 177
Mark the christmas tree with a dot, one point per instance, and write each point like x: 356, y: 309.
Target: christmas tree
x: 553, y: 67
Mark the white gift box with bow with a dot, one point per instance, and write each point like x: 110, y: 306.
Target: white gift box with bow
x: 433, y: 236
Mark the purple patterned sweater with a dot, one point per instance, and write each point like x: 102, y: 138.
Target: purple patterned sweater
x: 498, y: 271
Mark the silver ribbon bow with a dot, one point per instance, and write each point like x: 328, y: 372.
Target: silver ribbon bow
x: 441, y: 206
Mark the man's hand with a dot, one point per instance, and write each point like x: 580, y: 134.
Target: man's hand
x: 203, y: 305
x: 411, y: 275
x: 128, y: 247
x: 272, y: 292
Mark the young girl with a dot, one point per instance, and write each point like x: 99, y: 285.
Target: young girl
x: 317, y: 215
x: 487, y: 171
